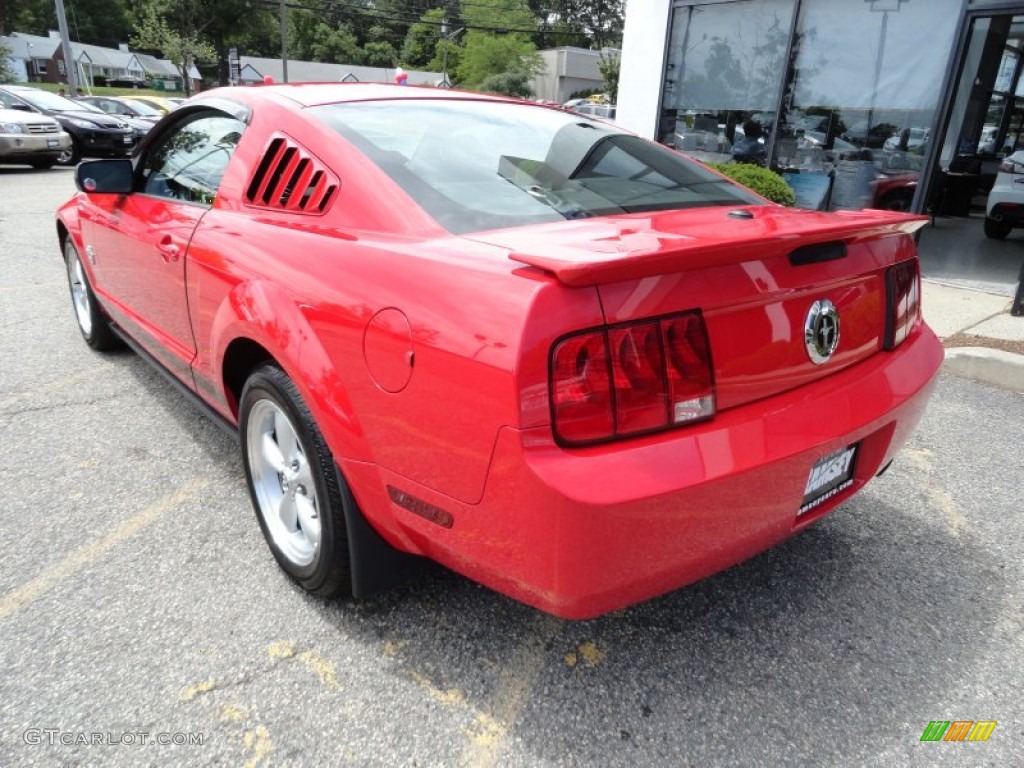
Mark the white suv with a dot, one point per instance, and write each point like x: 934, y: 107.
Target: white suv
x: 1005, y: 207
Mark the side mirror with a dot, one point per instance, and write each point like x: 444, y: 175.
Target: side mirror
x: 105, y: 177
x: 21, y: 107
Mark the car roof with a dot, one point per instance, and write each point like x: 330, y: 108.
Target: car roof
x: 316, y: 94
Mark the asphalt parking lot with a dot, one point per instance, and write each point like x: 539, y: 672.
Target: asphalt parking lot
x: 139, y: 603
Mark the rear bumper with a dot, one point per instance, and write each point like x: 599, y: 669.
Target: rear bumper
x: 1008, y: 213
x: 582, y: 532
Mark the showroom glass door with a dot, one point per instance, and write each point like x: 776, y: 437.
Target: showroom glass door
x: 984, y: 119
x: 723, y: 77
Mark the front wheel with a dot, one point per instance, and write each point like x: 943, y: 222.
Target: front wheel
x: 292, y: 483
x: 996, y: 230
x: 92, y: 322
x: 71, y: 155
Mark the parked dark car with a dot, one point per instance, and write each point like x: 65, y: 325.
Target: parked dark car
x: 93, y: 132
x: 127, y: 82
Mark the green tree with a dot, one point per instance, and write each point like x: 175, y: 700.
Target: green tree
x: 506, y: 16
x: 6, y: 75
x: 224, y: 31
x: 486, y: 54
x: 498, y: 41
x: 100, y: 22
x: 609, y: 66
x: 315, y: 38
x: 421, y: 42
x: 175, y: 28
x: 515, y: 82
x: 599, y: 21
x: 380, y: 54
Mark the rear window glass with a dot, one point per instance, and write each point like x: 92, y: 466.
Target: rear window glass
x: 476, y: 165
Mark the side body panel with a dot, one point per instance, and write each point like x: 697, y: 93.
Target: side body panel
x: 139, y: 245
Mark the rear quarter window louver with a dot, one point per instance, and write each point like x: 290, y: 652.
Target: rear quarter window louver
x: 289, y: 178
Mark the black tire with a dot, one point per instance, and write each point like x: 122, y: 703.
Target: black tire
x: 267, y: 394
x: 43, y: 165
x: 996, y: 230
x: 92, y: 321
x: 70, y: 157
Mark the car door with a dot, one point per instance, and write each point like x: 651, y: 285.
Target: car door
x: 141, y: 239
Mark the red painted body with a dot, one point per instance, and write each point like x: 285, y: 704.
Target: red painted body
x: 423, y: 357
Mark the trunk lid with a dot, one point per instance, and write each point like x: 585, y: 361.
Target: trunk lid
x: 754, y: 272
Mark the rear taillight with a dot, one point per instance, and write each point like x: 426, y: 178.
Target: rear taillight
x: 903, y: 302
x: 631, y: 379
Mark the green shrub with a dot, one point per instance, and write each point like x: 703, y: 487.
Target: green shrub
x: 99, y: 81
x: 765, y: 182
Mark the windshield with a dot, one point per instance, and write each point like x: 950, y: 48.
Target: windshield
x: 139, y: 108
x: 476, y: 165
x: 46, y: 100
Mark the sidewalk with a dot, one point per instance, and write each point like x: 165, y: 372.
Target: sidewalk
x: 983, y: 340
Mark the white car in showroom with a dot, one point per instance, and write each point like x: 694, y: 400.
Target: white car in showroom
x: 27, y: 138
x: 1005, y: 207
x: 915, y: 138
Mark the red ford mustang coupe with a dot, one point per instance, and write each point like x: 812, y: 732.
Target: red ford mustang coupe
x: 555, y: 357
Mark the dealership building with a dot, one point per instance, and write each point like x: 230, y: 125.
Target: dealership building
x: 889, y: 103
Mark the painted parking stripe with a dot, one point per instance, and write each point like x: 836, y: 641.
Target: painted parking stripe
x: 56, y: 384
x: 27, y: 594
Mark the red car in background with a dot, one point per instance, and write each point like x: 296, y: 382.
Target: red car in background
x: 555, y: 357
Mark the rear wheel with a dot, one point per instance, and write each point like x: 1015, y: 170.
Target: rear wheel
x: 293, y: 484
x: 996, y: 230
x: 93, y: 324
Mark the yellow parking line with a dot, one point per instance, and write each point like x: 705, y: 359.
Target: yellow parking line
x: 511, y: 695
x: 65, y: 381
x: 28, y: 593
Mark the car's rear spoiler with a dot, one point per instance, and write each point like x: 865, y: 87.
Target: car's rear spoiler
x: 643, y: 251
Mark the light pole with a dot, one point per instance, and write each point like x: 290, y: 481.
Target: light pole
x: 886, y: 7
x: 65, y: 45
x: 284, y: 41
x: 444, y: 55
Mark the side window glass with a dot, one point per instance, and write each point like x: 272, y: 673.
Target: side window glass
x: 188, y: 163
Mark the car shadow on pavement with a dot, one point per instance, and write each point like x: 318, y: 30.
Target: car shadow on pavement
x: 835, y: 646
x: 842, y: 631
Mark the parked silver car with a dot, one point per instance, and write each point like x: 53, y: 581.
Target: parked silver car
x: 27, y: 138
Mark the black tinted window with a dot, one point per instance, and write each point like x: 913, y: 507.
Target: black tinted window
x: 484, y: 165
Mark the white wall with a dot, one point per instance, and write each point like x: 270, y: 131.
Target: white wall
x: 643, y: 65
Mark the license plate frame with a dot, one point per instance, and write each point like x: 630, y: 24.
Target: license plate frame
x: 53, y: 142
x: 830, y: 475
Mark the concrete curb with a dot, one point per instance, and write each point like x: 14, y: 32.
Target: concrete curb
x: 993, y: 366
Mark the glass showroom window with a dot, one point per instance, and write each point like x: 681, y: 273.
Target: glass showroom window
x: 722, y: 80
x: 861, y: 99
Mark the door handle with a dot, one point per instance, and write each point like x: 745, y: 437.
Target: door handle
x: 168, y: 250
